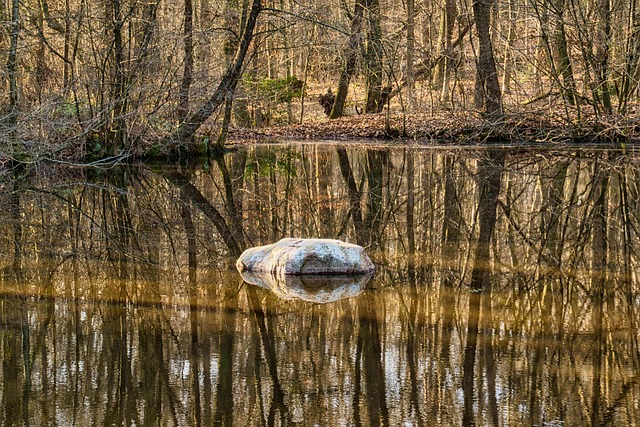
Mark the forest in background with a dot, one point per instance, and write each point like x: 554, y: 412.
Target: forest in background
x: 114, y: 78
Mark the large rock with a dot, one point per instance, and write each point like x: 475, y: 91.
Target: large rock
x: 306, y: 256
x: 320, y: 289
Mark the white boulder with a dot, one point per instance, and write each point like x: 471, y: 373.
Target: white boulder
x: 306, y: 256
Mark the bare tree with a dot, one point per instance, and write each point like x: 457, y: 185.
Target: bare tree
x: 487, y: 75
x: 227, y: 84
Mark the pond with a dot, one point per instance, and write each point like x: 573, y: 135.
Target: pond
x: 506, y: 290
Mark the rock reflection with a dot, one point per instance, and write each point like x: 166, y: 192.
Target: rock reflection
x: 320, y: 289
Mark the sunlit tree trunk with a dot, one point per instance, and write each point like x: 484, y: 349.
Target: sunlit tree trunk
x: 351, y: 54
x: 443, y: 68
x: 187, y: 75
x: 487, y: 76
x: 373, y: 58
x: 410, y: 54
x: 562, y: 57
x: 508, y: 46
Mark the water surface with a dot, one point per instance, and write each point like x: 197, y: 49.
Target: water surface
x: 506, y: 291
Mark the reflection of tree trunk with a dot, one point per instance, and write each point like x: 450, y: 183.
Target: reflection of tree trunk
x: 489, y: 179
x: 190, y: 231
x: 410, y: 323
x: 15, y: 333
x: 260, y: 321
x: 224, y: 389
x: 370, y: 341
x: 411, y: 202
x: 13, y: 374
x: 553, y: 198
x: 323, y: 192
x: 598, y: 280
x: 626, y: 196
x: 373, y: 218
x: 207, y: 209
x: 355, y: 209
x: 450, y: 240
x: 470, y: 358
x: 232, y: 195
x: 488, y: 355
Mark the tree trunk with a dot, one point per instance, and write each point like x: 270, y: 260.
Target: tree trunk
x: 373, y: 59
x: 508, y: 46
x: 411, y: 47
x: 563, y: 61
x: 227, y: 85
x: 487, y: 83
x: 632, y: 71
x: 11, y: 63
x: 187, y: 75
x: 449, y: 13
x: 230, y: 47
x: 601, y: 93
x: 355, y: 41
x: 116, y: 126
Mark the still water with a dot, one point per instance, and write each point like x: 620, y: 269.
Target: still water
x: 506, y: 291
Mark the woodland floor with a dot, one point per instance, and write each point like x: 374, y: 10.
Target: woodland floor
x: 468, y: 128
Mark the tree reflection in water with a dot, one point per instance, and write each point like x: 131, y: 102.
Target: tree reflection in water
x: 506, y: 291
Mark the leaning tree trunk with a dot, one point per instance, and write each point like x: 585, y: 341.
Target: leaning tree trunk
x: 230, y: 46
x: 227, y: 84
x: 487, y: 75
x: 355, y: 41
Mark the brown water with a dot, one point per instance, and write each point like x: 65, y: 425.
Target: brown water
x: 507, y: 291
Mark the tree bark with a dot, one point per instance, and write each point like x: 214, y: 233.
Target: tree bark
x: 187, y: 75
x: 411, y: 48
x: 445, y: 46
x: 373, y: 59
x: 632, y: 71
x: 227, y: 84
x: 487, y: 83
x: 11, y: 62
x: 563, y: 61
x: 601, y: 89
x: 355, y: 41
